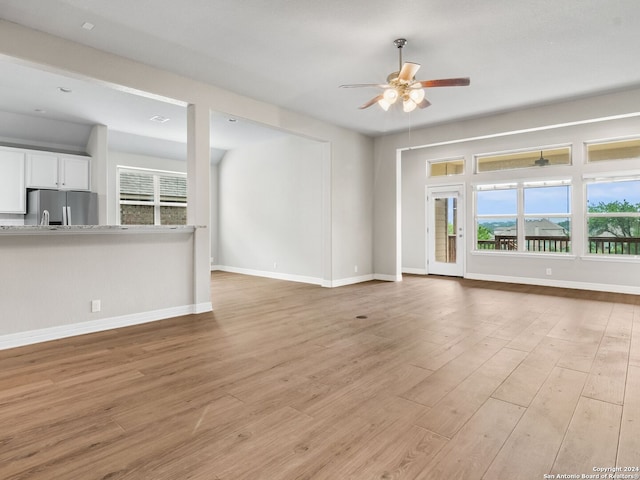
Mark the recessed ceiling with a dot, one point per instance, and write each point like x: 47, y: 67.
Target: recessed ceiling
x: 43, y: 109
x: 295, y: 54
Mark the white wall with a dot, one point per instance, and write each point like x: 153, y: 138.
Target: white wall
x: 575, y: 271
x: 352, y: 197
x: 270, y: 209
x: 33, y: 131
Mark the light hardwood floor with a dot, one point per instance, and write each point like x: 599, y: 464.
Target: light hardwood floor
x: 443, y: 379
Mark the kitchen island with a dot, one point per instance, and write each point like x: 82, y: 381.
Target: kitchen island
x: 51, y: 278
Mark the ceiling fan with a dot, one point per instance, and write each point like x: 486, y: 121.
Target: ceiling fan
x: 402, y: 85
x: 541, y: 162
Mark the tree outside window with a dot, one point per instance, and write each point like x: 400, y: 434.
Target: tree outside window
x: 613, y: 217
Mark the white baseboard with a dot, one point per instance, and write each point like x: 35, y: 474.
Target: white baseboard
x: 275, y: 275
x: 597, y: 287
x: 348, y: 281
x: 202, y: 307
x: 63, y: 331
x: 414, y: 271
x: 297, y: 278
x: 388, y: 278
x: 216, y: 268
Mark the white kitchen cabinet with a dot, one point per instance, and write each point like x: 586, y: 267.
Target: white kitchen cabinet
x: 42, y: 170
x: 12, y: 182
x: 74, y: 173
x: 57, y: 171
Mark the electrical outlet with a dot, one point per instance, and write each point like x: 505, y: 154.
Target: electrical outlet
x: 275, y: 265
x: 549, y: 271
x: 355, y: 268
x: 96, y: 305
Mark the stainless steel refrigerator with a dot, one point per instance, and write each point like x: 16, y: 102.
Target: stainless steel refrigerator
x: 58, y: 207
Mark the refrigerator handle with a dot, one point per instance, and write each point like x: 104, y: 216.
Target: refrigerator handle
x: 68, y: 215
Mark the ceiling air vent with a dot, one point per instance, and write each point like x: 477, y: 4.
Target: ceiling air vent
x: 159, y: 119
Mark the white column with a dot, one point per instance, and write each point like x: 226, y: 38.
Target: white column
x: 97, y: 147
x: 198, y: 202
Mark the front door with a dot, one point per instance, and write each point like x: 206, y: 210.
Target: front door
x: 445, y: 221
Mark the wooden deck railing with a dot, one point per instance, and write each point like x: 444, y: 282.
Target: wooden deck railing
x: 607, y: 245
x: 619, y: 246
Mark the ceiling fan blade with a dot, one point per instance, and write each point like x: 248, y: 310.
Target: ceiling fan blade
x: 446, y: 82
x: 371, y: 102
x: 408, y: 71
x: 359, y: 85
x: 424, y: 103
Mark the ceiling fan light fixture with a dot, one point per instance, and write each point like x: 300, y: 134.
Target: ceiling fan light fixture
x: 390, y: 95
x: 384, y: 104
x: 403, y: 85
x: 416, y: 94
x: 408, y: 105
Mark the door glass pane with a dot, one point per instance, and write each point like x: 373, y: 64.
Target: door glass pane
x: 445, y: 216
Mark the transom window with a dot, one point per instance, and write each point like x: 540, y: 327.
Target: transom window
x: 537, y: 158
x: 441, y: 168
x: 151, y: 197
x: 618, y: 150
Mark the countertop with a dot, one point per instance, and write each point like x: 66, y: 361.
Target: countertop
x: 94, y: 229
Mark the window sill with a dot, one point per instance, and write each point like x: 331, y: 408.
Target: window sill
x: 611, y: 258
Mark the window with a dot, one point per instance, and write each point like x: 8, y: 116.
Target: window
x: 523, y: 159
x: 441, y: 168
x: 529, y: 216
x: 613, y: 216
x: 496, y: 217
x: 152, y: 197
x: 547, y: 223
x: 619, y: 150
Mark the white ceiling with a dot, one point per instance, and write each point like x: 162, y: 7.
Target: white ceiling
x: 34, y: 109
x: 295, y: 53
